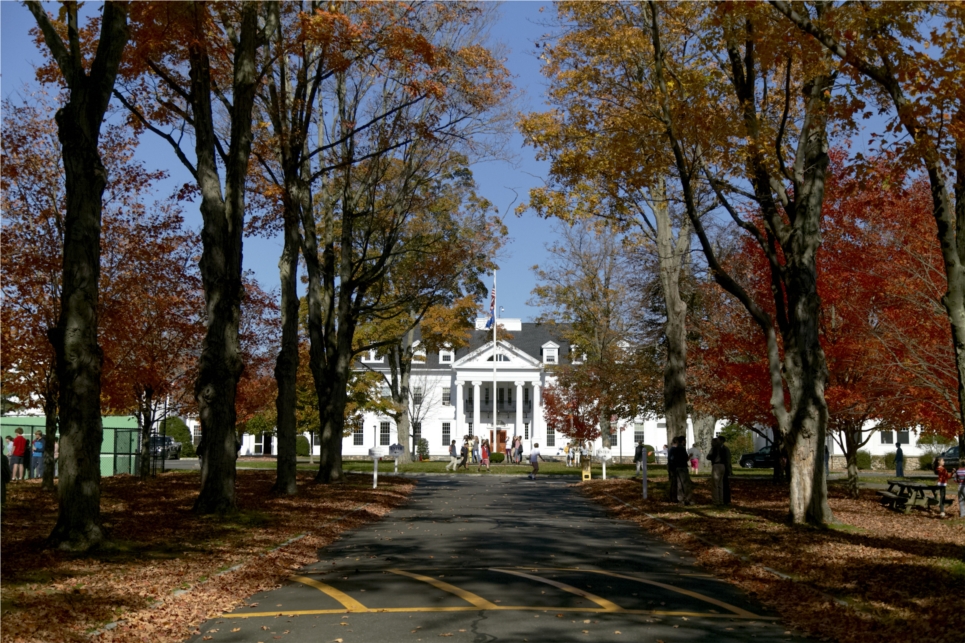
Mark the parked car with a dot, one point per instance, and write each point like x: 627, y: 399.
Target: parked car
x: 164, y: 447
x: 763, y: 459
x: 951, y: 458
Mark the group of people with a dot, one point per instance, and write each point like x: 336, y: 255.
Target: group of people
x: 681, y: 463
x: 575, y: 452
x: 473, y: 448
x: 26, y: 457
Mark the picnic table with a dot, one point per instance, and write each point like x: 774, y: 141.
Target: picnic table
x: 902, y: 495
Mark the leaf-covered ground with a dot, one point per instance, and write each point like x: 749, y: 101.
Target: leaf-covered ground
x: 876, y: 577
x: 163, y: 576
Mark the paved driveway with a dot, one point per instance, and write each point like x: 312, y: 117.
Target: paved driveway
x: 498, y: 559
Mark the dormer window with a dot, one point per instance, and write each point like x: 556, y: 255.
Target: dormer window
x: 446, y: 356
x: 551, y: 353
x: 372, y: 357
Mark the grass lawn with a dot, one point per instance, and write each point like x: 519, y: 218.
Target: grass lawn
x: 162, y: 575
x: 874, y: 576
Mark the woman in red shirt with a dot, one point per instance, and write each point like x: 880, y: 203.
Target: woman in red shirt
x: 19, y: 450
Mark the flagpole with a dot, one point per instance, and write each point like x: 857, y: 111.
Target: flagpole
x: 495, y: 308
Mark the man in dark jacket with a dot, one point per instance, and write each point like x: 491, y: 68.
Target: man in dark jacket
x: 677, y: 464
x: 638, y: 457
x: 718, y: 469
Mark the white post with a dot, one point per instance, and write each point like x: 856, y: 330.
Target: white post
x: 396, y: 465
x: 375, y: 472
x: 604, y: 468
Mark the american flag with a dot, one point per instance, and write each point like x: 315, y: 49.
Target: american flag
x: 492, y: 302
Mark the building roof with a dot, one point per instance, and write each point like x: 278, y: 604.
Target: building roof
x: 530, y: 339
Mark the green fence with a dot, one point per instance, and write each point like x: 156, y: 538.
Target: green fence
x: 119, y: 448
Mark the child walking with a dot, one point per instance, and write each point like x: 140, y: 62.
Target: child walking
x: 943, y: 477
x: 534, y: 458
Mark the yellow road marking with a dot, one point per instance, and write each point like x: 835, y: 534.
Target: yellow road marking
x: 686, y: 592
x: 500, y: 608
x: 350, y: 603
x: 607, y: 606
x: 469, y: 597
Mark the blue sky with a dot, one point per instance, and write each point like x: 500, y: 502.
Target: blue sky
x: 519, y: 26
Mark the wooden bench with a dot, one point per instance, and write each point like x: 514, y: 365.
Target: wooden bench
x: 893, y: 500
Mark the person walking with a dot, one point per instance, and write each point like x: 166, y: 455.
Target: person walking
x: 17, y: 454
x: 717, y: 472
x: 566, y: 454
x: 519, y: 450
x: 37, y: 459
x: 8, y: 446
x: 899, y: 463
x: 475, y: 449
x: 960, y: 479
x: 484, y: 455
x: 694, y: 454
x: 464, y: 456
x: 638, y: 458
x: 453, y: 459
x: 684, y: 487
x: 534, y: 458
x: 943, y: 477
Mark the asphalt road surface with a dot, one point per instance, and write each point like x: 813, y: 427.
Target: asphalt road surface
x: 498, y: 559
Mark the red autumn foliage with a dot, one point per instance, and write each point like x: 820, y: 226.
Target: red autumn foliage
x: 883, y: 330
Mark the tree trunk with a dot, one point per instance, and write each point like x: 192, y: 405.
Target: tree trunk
x: 806, y: 373
x: 704, y: 426
x: 852, y: 439
x: 145, y: 421
x: 50, y: 436
x: 220, y: 364
x: 286, y: 366
x: 671, y: 256
x: 79, y: 357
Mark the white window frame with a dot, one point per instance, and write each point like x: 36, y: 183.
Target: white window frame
x: 373, y: 357
x: 447, y: 396
x: 551, y: 353
x: 447, y: 356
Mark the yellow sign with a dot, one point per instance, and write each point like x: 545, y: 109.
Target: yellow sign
x: 586, y: 471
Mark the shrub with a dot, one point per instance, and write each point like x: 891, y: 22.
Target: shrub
x: 651, y: 453
x: 422, y: 448
x: 301, y: 446
x: 864, y: 460
x: 890, y: 460
x: 497, y: 458
x: 177, y: 429
x: 925, y: 461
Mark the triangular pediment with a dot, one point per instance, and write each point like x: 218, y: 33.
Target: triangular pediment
x: 482, y: 357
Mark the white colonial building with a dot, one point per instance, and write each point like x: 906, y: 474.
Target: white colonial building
x: 491, y: 392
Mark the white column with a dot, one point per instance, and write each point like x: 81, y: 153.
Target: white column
x: 519, y: 409
x: 475, y: 406
x: 459, y: 411
x: 537, y: 412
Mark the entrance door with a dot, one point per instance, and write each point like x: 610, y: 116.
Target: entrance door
x: 499, y: 444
